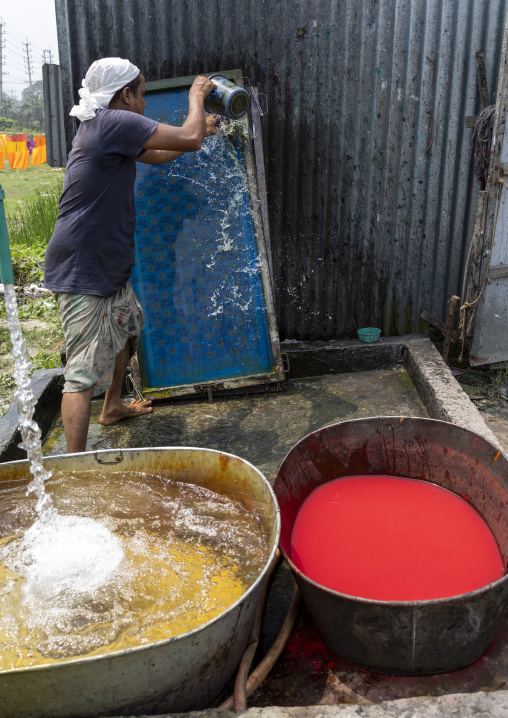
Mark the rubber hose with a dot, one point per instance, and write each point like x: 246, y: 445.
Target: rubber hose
x: 259, y: 674
x: 239, y: 695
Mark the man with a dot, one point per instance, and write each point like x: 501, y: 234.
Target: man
x: 91, y: 254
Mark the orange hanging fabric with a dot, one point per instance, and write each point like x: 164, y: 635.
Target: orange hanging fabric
x: 11, y: 156
x: 16, y: 146
x: 2, y: 160
x: 37, y: 156
x: 16, y: 165
x: 21, y: 160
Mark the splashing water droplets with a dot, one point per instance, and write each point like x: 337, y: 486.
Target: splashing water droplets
x: 78, y: 557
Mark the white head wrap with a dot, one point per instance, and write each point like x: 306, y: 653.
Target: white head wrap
x: 103, y: 79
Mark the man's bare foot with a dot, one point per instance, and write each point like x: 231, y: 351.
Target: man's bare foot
x: 112, y: 414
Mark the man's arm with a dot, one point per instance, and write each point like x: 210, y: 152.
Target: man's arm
x: 160, y: 157
x: 188, y: 137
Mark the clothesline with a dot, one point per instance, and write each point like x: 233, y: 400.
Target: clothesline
x: 17, y: 150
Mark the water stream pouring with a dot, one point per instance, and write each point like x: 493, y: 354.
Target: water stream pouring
x: 30, y: 431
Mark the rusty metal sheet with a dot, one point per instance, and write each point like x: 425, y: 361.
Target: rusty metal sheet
x: 369, y: 179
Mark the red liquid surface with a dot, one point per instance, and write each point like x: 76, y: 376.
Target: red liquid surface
x: 393, y: 539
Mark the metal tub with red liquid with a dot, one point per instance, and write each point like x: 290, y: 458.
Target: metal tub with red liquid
x: 402, y: 637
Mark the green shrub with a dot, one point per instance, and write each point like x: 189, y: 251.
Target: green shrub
x: 6, y: 125
x: 46, y: 360
x: 28, y: 262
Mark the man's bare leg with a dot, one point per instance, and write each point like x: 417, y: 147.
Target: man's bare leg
x: 76, y: 418
x: 113, y: 409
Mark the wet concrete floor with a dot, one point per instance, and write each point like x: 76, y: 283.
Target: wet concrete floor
x: 261, y: 428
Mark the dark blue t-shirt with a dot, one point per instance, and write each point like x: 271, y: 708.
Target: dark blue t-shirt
x: 92, y: 248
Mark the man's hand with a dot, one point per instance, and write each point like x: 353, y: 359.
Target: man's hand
x: 201, y: 85
x: 211, y: 125
x: 188, y: 137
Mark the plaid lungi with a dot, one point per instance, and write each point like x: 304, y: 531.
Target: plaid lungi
x: 96, y: 329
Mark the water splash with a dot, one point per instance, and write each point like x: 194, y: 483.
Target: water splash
x: 79, y: 556
x: 231, y: 184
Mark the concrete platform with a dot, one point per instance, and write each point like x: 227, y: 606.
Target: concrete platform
x: 260, y: 428
x: 477, y: 705
x: 329, y: 382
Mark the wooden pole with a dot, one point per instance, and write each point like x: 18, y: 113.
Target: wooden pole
x: 481, y: 76
x: 453, y: 305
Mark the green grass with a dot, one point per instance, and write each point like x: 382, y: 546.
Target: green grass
x: 5, y: 340
x: 33, y: 221
x: 28, y: 262
x: 7, y: 388
x: 31, y: 203
x: 18, y: 185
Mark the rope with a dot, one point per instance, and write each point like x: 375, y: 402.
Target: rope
x: 471, y: 305
x: 481, y: 141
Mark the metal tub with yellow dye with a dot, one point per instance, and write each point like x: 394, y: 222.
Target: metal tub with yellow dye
x: 178, y: 674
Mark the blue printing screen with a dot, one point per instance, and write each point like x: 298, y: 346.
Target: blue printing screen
x: 197, y: 272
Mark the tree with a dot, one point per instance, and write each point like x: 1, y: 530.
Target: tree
x: 9, y: 109
x: 31, y: 112
x: 6, y: 125
x: 35, y: 87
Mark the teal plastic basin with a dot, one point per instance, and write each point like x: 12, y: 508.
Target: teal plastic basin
x: 369, y: 334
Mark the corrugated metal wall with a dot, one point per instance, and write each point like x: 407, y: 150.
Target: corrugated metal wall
x: 370, y: 184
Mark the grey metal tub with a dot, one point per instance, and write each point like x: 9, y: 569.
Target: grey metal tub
x: 178, y: 674
x: 402, y: 637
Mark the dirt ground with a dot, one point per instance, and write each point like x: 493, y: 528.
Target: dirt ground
x: 499, y: 427
x: 483, y: 386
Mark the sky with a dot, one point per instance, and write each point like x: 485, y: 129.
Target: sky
x: 26, y: 20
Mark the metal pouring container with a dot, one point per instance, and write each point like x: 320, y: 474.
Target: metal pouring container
x: 227, y: 99
x: 402, y: 637
x: 178, y: 674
